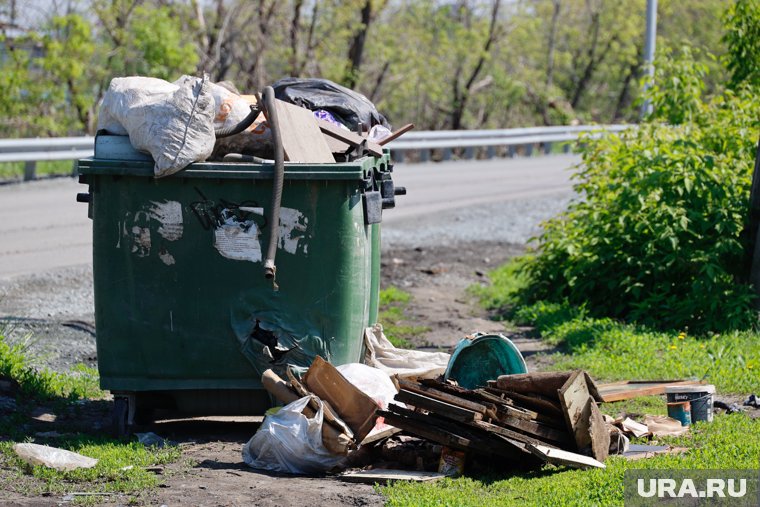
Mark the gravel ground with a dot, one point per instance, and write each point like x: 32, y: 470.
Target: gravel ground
x: 508, y: 222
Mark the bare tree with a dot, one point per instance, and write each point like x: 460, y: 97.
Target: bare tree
x: 461, y: 92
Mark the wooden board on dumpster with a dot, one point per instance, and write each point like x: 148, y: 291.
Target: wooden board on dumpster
x: 353, y: 406
x: 302, y: 139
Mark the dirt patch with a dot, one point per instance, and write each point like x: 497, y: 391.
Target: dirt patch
x: 438, y: 278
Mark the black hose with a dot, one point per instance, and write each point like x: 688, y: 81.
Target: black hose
x: 279, y: 176
x: 236, y: 129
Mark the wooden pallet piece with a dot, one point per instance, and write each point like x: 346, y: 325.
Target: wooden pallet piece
x: 380, y: 475
x: 439, y: 407
x: 584, y: 420
x: 429, y: 428
x: 395, y: 135
x: 535, y: 402
x: 443, y: 396
x: 506, y: 432
x: 302, y: 139
x: 467, y: 430
x: 537, y: 430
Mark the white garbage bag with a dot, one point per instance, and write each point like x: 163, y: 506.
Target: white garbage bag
x: 174, y: 122
x: 373, y: 382
x: 290, y: 442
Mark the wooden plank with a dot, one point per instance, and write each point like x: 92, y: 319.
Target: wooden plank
x: 349, y: 137
x: 381, y: 475
x: 458, y: 435
x: 439, y: 407
x: 583, y: 418
x: 627, y: 389
x: 443, y: 396
x: 537, y: 430
x: 301, y: 136
x: 514, y: 435
x: 560, y: 457
x: 403, y: 130
x: 535, y: 402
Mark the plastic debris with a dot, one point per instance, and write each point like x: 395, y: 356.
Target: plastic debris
x: 151, y: 439
x: 52, y: 457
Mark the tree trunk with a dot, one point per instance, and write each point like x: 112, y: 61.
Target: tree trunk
x: 356, y: 49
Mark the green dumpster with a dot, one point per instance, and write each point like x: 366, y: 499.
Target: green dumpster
x: 185, y: 318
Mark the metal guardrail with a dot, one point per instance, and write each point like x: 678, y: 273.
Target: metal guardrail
x: 424, y: 143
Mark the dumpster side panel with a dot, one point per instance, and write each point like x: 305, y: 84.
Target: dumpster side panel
x: 181, y: 301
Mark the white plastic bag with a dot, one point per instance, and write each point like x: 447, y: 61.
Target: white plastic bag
x: 290, y: 442
x: 174, y: 122
x: 52, y: 457
x: 381, y: 354
x: 373, y: 382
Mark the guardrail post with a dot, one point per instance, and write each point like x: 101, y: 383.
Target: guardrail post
x: 30, y: 170
x: 424, y: 155
x: 491, y: 152
x: 547, y: 148
x: 469, y: 152
x: 511, y: 151
x: 566, y: 148
x: 528, y: 150
x: 398, y: 155
x: 447, y: 154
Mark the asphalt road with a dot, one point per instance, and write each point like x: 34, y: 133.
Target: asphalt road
x: 43, y: 227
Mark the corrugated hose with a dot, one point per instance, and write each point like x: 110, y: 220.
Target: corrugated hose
x: 270, y: 269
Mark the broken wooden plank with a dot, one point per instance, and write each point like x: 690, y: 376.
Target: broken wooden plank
x: 352, y: 405
x: 560, y: 457
x: 395, y: 135
x: 301, y: 137
x: 545, y: 383
x: 514, y: 435
x: 382, y: 475
x: 439, y: 407
x: 349, y: 137
x: 537, y: 430
x: 458, y: 435
x: 583, y: 418
x: 443, y: 396
x: 536, y: 402
x: 627, y: 389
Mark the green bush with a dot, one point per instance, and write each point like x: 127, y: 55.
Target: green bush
x: 656, y: 235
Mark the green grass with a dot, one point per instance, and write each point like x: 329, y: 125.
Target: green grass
x: 392, y: 315
x: 611, y: 350
x: 59, y: 392
x: 40, y: 384
x: 15, y: 170
x: 719, y: 445
x: 108, y: 475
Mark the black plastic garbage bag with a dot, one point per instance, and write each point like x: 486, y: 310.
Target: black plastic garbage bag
x: 348, y: 106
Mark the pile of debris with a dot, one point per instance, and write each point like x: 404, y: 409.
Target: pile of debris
x: 527, y: 419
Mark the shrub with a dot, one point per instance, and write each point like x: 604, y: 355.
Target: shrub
x: 655, y: 236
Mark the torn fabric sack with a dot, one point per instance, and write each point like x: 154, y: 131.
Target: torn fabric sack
x: 174, y: 122
x: 380, y: 353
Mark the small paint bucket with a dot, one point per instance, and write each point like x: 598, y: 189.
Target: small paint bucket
x: 680, y: 411
x: 700, y: 397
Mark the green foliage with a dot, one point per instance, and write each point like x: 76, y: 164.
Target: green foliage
x: 617, y: 351
x: 718, y: 445
x: 655, y: 237
x: 742, y: 39
x: 676, y: 94
x: 41, y: 384
x: 393, y: 304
